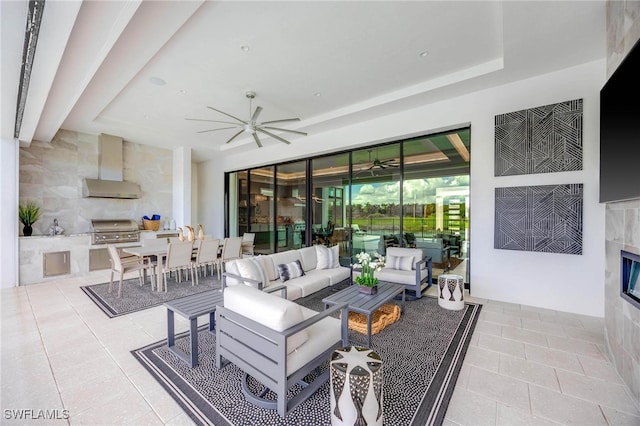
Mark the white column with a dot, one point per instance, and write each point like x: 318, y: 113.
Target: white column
x: 182, y: 186
x: 9, y: 159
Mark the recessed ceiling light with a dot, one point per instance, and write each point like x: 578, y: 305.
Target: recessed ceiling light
x: 424, y: 54
x: 245, y: 47
x: 317, y: 94
x: 157, y: 81
x: 182, y: 92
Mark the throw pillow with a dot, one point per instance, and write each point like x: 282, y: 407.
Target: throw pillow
x: 401, y: 263
x: 289, y: 271
x: 328, y: 257
x: 247, y: 268
x: 260, y: 263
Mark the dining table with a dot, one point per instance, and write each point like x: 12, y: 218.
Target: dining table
x: 146, y: 253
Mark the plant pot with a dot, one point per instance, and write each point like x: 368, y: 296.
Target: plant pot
x: 368, y: 290
x: 27, y: 230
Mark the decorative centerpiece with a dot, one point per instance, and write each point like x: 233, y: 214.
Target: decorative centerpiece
x: 366, y: 282
x: 28, y: 214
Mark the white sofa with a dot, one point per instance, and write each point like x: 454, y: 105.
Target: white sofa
x: 407, y: 266
x: 319, y: 263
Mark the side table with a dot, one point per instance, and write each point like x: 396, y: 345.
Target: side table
x: 356, y: 387
x: 191, y: 307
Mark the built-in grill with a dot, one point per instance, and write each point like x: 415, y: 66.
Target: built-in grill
x: 109, y: 231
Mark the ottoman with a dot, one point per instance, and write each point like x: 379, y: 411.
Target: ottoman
x: 356, y: 387
x: 451, y: 292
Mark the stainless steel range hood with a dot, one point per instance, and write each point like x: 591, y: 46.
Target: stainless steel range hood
x: 109, y: 183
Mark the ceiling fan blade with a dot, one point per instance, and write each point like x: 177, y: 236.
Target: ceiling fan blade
x: 280, y: 121
x: 213, y: 121
x: 255, y: 137
x: 213, y: 130
x: 285, y: 130
x: 228, y: 115
x: 273, y: 136
x: 235, y: 136
x: 256, y: 113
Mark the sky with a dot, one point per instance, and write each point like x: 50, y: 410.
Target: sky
x: 421, y: 191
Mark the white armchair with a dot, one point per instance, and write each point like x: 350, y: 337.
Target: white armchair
x: 277, y: 342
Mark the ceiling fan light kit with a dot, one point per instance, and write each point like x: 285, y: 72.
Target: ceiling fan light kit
x: 251, y: 126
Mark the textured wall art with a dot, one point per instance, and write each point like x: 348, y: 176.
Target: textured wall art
x: 546, y: 218
x: 545, y: 139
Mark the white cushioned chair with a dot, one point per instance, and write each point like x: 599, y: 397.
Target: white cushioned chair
x: 277, y: 342
x: 407, y: 266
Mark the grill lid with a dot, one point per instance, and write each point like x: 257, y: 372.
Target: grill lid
x: 114, y: 225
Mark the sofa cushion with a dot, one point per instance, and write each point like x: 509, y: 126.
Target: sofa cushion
x: 230, y: 266
x: 260, y: 261
x: 309, y: 258
x: 289, y: 271
x: 282, y: 257
x: 404, y: 251
x: 322, y: 335
x: 311, y: 282
x: 328, y: 257
x: 396, y: 276
x: 267, y: 309
x: 248, y: 268
x: 402, y: 263
x: 334, y: 275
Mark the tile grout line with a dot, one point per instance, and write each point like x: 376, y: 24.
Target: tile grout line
x: 46, y: 353
x: 106, y: 349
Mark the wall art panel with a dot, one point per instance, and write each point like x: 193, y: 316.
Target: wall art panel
x: 544, y: 139
x: 545, y: 218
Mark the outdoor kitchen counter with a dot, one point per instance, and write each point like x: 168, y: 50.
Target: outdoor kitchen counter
x: 32, y: 250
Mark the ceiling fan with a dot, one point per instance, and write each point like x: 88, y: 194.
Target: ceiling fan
x: 379, y: 164
x: 252, y: 125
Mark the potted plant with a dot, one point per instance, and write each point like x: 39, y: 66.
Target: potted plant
x: 28, y: 214
x: 367, y: 282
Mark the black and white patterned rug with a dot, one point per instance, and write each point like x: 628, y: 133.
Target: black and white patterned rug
x: 422, y: 355
x: 136, y: 298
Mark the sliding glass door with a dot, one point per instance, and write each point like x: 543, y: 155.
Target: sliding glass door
x: 291, y: 193
x: 328, y: 200
x: 408, y: 193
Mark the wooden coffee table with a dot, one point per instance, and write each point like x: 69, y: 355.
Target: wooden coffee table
x: 364, y: 303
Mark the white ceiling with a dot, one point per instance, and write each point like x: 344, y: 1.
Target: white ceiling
x: 95, y: 59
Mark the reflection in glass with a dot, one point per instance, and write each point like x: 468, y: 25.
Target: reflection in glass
x: 409, y: 193
x: 329, y: 198
x: 261, y: 211
x: 291, y: 205
x: 375, y: 207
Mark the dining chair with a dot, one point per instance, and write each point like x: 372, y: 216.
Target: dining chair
x: 231, y: 250
x: 158, y: 243
x: 207, y: 255
x: 121, y: 268
x: 248, y: 243
x: 178, y: 260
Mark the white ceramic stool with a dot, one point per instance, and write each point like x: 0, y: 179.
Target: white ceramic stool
x: 451, y: 292
x: 356, y: 387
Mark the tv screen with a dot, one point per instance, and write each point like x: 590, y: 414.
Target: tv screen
x: 620, y: 131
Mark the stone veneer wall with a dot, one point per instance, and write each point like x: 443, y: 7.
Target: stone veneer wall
x: 51, y: 175
x: 622, y: 320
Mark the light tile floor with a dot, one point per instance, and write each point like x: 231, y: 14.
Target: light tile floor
x: 525, y: 366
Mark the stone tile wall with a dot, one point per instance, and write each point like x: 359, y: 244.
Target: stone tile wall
x: 622, y: 320
x: 51, y: 175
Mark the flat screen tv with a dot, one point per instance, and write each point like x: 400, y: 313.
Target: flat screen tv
x: 620, y: 131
